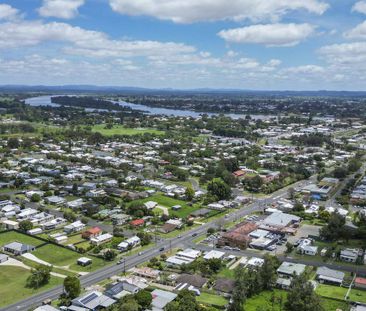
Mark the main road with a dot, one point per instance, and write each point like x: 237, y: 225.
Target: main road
x: 185, y: 239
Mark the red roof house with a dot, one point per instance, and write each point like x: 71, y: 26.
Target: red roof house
x: 137, y: 222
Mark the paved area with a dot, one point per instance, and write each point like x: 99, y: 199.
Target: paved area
x: 14, y: 262
x: 36, y: 259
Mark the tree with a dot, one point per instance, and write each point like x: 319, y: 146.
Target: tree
x: 253, y: 184
x: 298, y: 207
x: 144, y: 299
x: 291, y: 193
x: 334, y: 229
x: 35, y: 197
x: 25, y: 225
x: 218, y: 188
x: 268, y: 272
x: 186, y: 300
x: 39, y: 276
x: 190, y: 193
x: 13, y: 143
x: 72, y: 287
x: 301, y: 296
x: 289, y: 247
x: 109, y: 255
x: 340, y: 172
x: 70, y: 215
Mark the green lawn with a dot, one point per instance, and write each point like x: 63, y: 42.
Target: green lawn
x: 12, y: 236
x: 12, y: 285
x: 59, y: 256
x: 357, y: 295
x: 227, y: 273
x: 265, y: 299
x: 330, y: 291
x: 168, y: 202
x: 212, y: 299
x: 121, y: 130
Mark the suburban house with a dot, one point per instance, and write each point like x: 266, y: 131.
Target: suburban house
x: 161, y: 298
x: 289, y: 269
x: 91, y: 301
x: 74, y: 227
x: 84, y: 261
x: 17, y: 248
x: 360, y: 283
x: 129, y: 243
x: 349, y: 255
x: 194, y: 280
x: 328, y: 276
x: 121, y: 289
x: 91, y: 233
x: 55, y: 200
x: 100, y: 239
x: 137, y: 223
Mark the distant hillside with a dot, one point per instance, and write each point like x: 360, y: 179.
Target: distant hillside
x: 64, y: 89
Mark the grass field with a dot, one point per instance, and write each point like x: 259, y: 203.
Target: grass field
x: 12, y: 236
x: 60, y: 256
x: 357, y: 295
x: 121, y: 130
x: 329, y: 291
x: 279, y: 297
x: 212, y: 299
x: 12, y: 285
x: 227, y: 273
x: 168, y: 202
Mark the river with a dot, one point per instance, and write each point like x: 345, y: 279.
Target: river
x: 46, y: 101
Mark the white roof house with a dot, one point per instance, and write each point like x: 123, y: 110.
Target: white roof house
x: 214, y: 255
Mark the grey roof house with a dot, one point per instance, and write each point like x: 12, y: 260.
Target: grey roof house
x: 17, y: 248
x: 329, y: 276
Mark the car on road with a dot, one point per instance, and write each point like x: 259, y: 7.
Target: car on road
x: 194, y: 234
x: 179, y: 236
x: 161, y: 249
x: 140, y: 253
x: 119, y: 262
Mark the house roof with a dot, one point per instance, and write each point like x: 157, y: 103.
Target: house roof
x: 119, y: 287
x: 290, y: 268
x: 224, y: 285
x: 192, y: 279
x: 329, y: 274
x: 137, y: 222
x: 94, y: 230
x: 361, y: 281
x: 19, y: 247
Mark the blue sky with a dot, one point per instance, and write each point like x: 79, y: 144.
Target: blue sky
x: 246, y: 44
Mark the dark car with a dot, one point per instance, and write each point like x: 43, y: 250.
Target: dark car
x: 161, y: 249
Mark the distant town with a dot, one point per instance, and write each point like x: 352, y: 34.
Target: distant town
x: 202, y: 201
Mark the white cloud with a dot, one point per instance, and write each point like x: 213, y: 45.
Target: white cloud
x: 359, y: 7
x: 359, y: 32
x: 7, y: 12
x: 270, y: 34
x: 83, y: 42
x: 190, y: 11
x: 305, y: 70
x: 66, y: 9
x: 346, y: 54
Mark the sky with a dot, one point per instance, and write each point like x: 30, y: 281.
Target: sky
x: 184, y: 44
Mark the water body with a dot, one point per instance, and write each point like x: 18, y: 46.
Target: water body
x: 46, y: 101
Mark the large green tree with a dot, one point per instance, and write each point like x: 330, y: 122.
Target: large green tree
x: 218, y: 188
x: 39, y: 277
x: 72, y: 287
x: 301, y: 296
